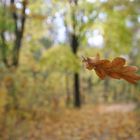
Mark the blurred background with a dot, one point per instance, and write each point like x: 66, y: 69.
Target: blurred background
x: 42, y: 78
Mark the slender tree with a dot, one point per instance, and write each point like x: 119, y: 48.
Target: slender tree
x: 74, y: 42
x: 19, y: 26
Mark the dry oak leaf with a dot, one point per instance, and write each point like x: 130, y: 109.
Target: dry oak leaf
x: 115, y: 69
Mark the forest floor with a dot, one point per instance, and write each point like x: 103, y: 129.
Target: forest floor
x: 100, y: 122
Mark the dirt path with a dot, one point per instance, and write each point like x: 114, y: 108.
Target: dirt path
x: 115, y: 122
x: 116, y: 108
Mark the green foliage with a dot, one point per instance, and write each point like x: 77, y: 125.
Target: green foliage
x: 60, y: 58
x: 6, y: 21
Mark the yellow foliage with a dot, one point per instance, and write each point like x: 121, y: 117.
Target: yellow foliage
x: 3, y: 98
x: 8, y: 80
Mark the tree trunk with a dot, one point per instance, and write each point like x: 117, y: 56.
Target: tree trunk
x: 106, y: 89
x: 68, y: 97
x: 77, y: 96
x: 18, y: 32
x: 89, y: 84
x: 106, y: 83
